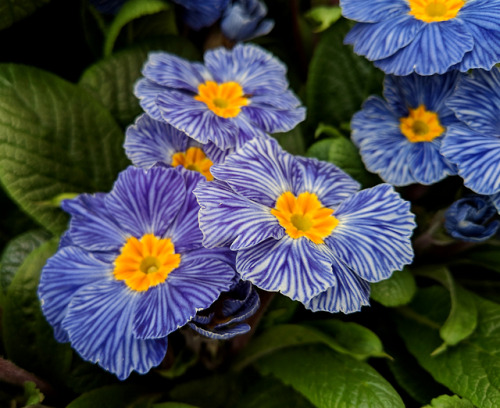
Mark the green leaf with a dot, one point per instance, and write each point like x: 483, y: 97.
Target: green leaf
x: 272, y: 393
x: 341, y: 152
x: 447, y: 401
x: 54, y: 138
x: 28, y: 338
x: 348, y: 338
x: 398, y: 290
x: 15, y: 10
x: 487, y: 256
x: 323, y: 17
x: 114, y: 396
x: 172, y: 405
x: 292, y: 141
x: 338, y: 81
x: 32, y: 395
x: 470, y: 369
x: 15, y: 253
x: 112, y: 79
x: 131, y: 10
x: 329, y: 379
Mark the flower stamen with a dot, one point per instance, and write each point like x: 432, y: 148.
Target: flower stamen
x: 225, y: 100
x: 432, y: 11
x: 194, y: 159
x: 421, y: 125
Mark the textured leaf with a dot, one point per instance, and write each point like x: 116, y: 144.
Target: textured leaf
x: 28, y: 339
x: 329, y: 379
x: 130, y: 11
x: 447, y: 401
x: 54, y: 139
x: 348, y: 338
x: 338, y: 81
x: 470, y: 369
x: 16, y: 251
x: 15, y: 10
x: 112, y: 79
x: 323, y: 16
x: 398, y: 290
x: 113, y: 396
x: 172, y: 405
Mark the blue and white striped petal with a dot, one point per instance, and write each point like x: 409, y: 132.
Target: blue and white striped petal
x: 147, y: 91
x: 92, y: 226
x: 191, y: 287
x: 274, y: 120
x: 63, y: 275
x: 228, y: 218
x: 327, y: 181
x: 223, y: 333
x: 146, y: 202
x: 99, y: 326
x: 373, y: 234
x: 476, y: 101
x: 477, y: 156
x: 347, y: 295
x: 255, y: 69
x: 434, y: 50
x: 372, y: 11
x: 495, y: 200
x: 149, y: 141
x: 295, y: 267
x: 261, y: 171
x: 198, y: 14
x: 428, y: 165
x: 172, y: 71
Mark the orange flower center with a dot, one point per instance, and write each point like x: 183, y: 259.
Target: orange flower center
x: 145, y: 263
x: 432, y: 11
x: 421, y: 125
x: 304, y: 216
x: 194, y: 159
x: 224, y: 99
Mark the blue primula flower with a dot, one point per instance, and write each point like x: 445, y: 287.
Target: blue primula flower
x: 244, y: 20
x: 226, y: 317
x: 425, y: 36
x: 148, y: 142
x: 300, y: 227
x: 400, y: 137
x: 201, y: 13
x: 131, y: 270
x: 470, y: 219
x: 473, y: 143
x: 237, y: 95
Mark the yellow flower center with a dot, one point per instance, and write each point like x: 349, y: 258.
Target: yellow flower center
x: 421, y: 125
x: 431, y: 11
x: 194, y: 159
x: 304, y: 216
x: 224, y: 100
x: 145, y: 263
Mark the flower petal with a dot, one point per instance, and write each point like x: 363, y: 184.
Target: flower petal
x: 373, y: 234
x: 274, y: 120
x: 371, y: 11
x: 294, y: 267
x: 99, y: 324
x: 229, y: 218
x: 428, y: 165
x: 147, y: 91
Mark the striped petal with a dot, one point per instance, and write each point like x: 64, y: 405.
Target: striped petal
x: 371, y: 11
x: 294, y: 267
x: 149, y: 141
x: 174, y: 72
x: 92, y: 226
x: 146, y: 202
x: 261, y: 171
x: 99, y: 323
x: 224, y: 333
x: 477, y: 156
x: 347, y: 295
x: 428, y: 165
x: 147, y: 91
x: 274, y: 120
x: 373, y: 235
x: 255, y: 69
x: 434, y: 50
x: 327, y: 181
x: 229, y: 218
x: 192, y: 287
x: 69, y: 270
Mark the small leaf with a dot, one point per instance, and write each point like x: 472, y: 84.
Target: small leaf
x: 112, y: 79
x: 342, y: 152
x: 12, y: 11
x: 329, y: 379
x: 32, y: 395
x: 54, y: 138
x: 15, y: 253
x: 292, y: 141
x: 398, y: 290
x: 447, y: 401
x: 323, y: 17
x: 131, y: 10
